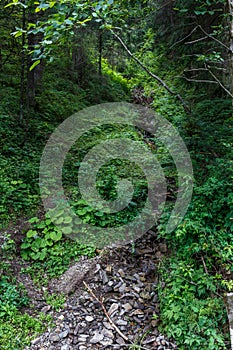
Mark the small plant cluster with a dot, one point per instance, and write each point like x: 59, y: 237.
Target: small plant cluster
x: 55, y: 300
x: 45, y: 245
x: 11, y: 298
x: 16, y: 197
x: 16, y: 328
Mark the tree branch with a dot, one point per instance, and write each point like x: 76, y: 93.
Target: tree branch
x: 158, y: 79
x: 219, y: 82
x: 198, y: 80
x: 186, y: 37
x: 105, y: 312
x: 197, y: 40
x: 196, y: 69
x: 213, y: 38
x: 204, y: 32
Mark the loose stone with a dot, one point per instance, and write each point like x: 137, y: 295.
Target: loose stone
x: 89, y: 318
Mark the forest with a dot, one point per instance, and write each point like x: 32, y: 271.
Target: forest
x: 101, y: 101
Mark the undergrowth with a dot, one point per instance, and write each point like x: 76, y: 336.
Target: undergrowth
x: 198, y: 273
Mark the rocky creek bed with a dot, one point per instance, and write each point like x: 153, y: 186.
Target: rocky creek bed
x: 111, y: 303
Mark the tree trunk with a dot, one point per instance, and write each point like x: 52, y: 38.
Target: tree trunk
x: 34, y: 76
x: 100, y: 51
x: 22, y: 73
x: 79, y: 58
x: 230, y: 2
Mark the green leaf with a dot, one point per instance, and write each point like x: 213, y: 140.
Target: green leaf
x: 55, y: 236
x: 67, y: 220
x: 32, y: 220
x: 34, y: 65
x: 31, y: 233
x: 67, y: 230
x: 58, y: 221
x: 17, y: 34
x: 25, y: 245
x: 82, y: 211
x: 43, y: 254
x: 99, y: 213
x: 69, y: 22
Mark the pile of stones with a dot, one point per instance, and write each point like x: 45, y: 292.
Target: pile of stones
x: 112, y: 302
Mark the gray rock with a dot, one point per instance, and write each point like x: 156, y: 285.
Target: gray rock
x: 89, y: 318
x: 64, y: 334
x: 98, y: 337
x: 103, y: 276
x: 128, y: 307
x: 121, y: 323
x: 65, y: 347
x: 107, y: 325
x: 54, y: 337
x: 120, y: 341
x: 108, y: 333
x: 122, y: 288
x: 106, y: 342
x: 114, y: 307
x: 46, y: 309
x: 35, y: 341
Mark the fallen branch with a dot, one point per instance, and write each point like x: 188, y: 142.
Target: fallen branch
x: 159, y: 80
x: 105, y: 312
x: 196, y: 69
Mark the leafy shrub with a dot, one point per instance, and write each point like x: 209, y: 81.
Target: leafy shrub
x: 19, y: 329
x: 11, y: 298
x: 190, y: 310
x: 45, y: 245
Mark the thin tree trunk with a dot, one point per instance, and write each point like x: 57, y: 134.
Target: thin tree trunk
x: 100, y: 51
x: 34, y: 76
x: 22, y: 74
x: 79, y: 56
x: 230, y: 3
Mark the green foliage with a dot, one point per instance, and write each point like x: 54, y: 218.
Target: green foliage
x: 16, y: 196
x: 190, y: 311
x: 11, y: 298
x: 50, y: 252
x: 55, y: 300
x: 8, y: 248
x: 18, y: 330
x: 107, y: 179
x: 160, y: 35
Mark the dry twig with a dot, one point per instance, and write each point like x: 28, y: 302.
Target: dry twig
x: 105, y: 312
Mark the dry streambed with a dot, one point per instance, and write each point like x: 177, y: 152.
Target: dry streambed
x: 112, y: 302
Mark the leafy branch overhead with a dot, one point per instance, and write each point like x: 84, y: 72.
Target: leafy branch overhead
x: 64, y: 18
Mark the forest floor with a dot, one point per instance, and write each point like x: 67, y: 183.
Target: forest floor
x: 110, y: 301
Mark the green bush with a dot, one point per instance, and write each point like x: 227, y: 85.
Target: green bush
x: 50, y: 252
x: 191, y: 312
